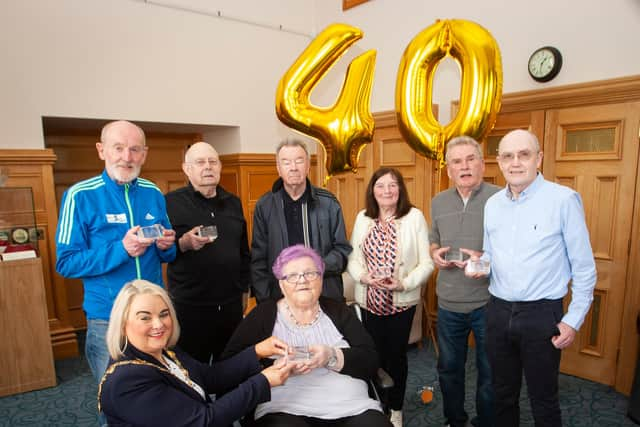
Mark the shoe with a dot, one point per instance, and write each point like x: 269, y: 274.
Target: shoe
x: 396, y: 418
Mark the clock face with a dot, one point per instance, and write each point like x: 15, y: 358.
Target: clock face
x: 541, y: 63
x: 545, y: 63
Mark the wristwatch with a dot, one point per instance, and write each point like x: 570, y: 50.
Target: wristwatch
x: 333, y: 359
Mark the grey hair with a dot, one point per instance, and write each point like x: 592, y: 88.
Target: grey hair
x: 292, y: 143
x: 463, y: 140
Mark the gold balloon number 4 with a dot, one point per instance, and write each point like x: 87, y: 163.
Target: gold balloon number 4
x: 345, y: 127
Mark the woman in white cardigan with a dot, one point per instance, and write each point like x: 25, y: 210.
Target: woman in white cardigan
x: 390, y: 263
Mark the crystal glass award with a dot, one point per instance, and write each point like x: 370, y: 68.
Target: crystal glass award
x: 300, y: 352
x: 151, y: 231
x: 210, y: 231
x: 381, y: 273
x: 478, y: 266
x: 454, y: 254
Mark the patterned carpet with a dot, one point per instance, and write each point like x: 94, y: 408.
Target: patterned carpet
x: 73, y: 401
x: 583, y: 403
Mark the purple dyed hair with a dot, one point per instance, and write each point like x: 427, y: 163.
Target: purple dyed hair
x: 293, y: 253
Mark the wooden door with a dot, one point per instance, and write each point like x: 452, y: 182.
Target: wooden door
x: 350, y: 188
x: 594, y: 150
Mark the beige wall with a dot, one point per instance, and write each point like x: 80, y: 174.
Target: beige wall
x: 140, y: 61
x: 149, y: 62
x: 598, y: 40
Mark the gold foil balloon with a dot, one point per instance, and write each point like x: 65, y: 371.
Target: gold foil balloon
x: 344, y: 127
x: 478, y: 56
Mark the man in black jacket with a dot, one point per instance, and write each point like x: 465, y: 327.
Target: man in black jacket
x: 295, y: 212
x: 210, y: 274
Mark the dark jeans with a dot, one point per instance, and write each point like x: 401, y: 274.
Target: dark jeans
x: 391, y: 336
x: 519, y: 339
x: 205, y: 330
x: 368, y: 418
x: 453, y: 335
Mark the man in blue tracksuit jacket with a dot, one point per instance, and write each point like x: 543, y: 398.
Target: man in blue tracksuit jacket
x: 97, y: 232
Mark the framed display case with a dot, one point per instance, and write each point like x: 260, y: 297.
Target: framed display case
x: 18, y: 231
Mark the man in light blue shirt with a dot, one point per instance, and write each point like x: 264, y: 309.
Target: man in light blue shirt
x: 536, y: 240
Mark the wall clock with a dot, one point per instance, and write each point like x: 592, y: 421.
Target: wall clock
x: 545, y: 63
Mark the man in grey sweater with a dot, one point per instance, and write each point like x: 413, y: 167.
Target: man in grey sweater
x: 457, y: 218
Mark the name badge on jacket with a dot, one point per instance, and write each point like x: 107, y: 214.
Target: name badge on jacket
x: 117, y: 218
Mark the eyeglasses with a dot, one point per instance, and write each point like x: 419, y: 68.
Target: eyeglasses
x: 295, y: 277
x: 523, y: 155
x: 201, y: 163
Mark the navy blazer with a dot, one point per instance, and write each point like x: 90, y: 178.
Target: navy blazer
x: 137, y: 390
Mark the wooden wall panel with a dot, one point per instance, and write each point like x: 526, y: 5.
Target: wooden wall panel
x: 230, y: 181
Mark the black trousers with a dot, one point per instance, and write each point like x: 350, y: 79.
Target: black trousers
x: 391, y: 336
x: 368, y: 418
x: 519, y: 340
x: 205, y: 330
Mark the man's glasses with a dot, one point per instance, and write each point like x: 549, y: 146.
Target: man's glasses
x: 295, y: 277
x: 201, y: 163
x: 523, y: 156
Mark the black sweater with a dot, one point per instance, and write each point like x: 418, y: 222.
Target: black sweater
x: 219, y: 272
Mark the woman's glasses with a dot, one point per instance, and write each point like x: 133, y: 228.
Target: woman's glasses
x: 295, y: 277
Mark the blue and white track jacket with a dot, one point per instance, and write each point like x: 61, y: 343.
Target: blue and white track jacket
x: 95, y: 215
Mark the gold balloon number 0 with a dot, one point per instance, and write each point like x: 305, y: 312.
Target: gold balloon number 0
x: 477, y: 53
x: 345, y: 127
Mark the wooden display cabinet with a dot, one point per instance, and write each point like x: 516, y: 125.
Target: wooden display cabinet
x: 27, y: 357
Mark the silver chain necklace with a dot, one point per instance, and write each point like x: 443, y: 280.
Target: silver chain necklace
x: 300, y: 324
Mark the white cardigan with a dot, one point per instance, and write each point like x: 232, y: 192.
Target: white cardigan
x: 413, y: 265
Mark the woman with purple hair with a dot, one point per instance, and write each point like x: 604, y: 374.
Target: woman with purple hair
x: 335, y: 356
